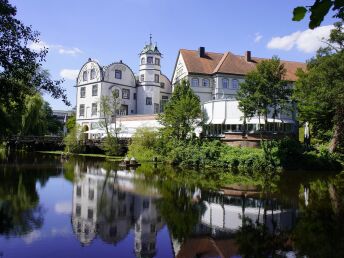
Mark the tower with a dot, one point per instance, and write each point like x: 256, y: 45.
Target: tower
x: 148, y: 90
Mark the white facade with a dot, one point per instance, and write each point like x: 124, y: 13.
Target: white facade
x: 145, y: 93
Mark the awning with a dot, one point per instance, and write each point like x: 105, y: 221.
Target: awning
x: 234, y: 121
x: 217, y: 121
x: 95, y: 131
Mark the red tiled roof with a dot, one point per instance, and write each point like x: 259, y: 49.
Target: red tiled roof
x: 230, y: 63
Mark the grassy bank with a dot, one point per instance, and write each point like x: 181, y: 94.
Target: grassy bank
x: 112, y: 158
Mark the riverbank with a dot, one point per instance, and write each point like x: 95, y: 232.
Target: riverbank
x: 91, y: 155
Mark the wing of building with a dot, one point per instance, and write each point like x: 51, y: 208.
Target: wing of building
x: 216, y: 78
x: 143, y: 94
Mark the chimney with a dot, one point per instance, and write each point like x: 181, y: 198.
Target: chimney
x: 248, y: 56
x: 201, y: 52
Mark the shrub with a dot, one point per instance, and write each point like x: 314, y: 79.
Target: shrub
x: 144, y: 144
x: 74, y: 140
x: 111, y: 146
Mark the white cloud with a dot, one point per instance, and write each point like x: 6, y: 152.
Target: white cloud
x: 63, y: 208
x: 32, y: 237
x: 38, y: 46
x: 69, y: 74
x: 257, y: 37
x: 305, y: 41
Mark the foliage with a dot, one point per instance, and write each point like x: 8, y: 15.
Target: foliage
x: 318, y: 11
x: 182, y: 112
x: 264, y: 89
x: 74, y: 140
x: 21, y: 72
x: 144, y: 144
x: 319, y: 91
x: 38, y: 118
x: 71, y: 122
x: 111, y: 146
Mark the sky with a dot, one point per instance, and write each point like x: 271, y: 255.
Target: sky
x: 113, y: 30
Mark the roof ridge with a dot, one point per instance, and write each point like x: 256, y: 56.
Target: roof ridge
x: 217, y: 68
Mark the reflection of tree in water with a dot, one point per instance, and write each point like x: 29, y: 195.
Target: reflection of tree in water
x: 20, y: 212
x: 180, y: 211
x: 319, y: 231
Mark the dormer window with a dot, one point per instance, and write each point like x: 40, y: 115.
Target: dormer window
x: 157, y: 61
x: 235, y: 84
x: 225, y: 83
x: 93, y: 73
x: 118, y: 74
x: 150, y: 60
x: 84, y: 76
x: 206, y: 83
x: 194, y: 82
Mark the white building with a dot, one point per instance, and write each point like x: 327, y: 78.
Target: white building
x: 216, y: 78
x: 145, y: 93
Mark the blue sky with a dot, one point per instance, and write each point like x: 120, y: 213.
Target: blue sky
x: 115, y: 30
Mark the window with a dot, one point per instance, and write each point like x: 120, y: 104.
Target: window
x: 142, y: 77
x: 84, y: 76
x: 156, y: 77
x: 78, y: 191
x: 145, y: 204
x: 235, y: 84
x: 82, y: 110
x: 93, y: 73
x: 148, y: 101
x: 134, y: 96
x: 118, y: 74
x: 143, y: 60
x: 157, y: 61
x: 162, y: 85
x: 194, y: 82
x: 156, y: 108
x: 82, y: 92
x: 150, y: 60
x: 90, y: 214
x: 94, y: 109
x: 206, y: 83
x: 163, y: 102
x: 125, y: 94
x: 95, y: 90
x: 91, y: 194
x: 78, y: 210
x: 225, y: 83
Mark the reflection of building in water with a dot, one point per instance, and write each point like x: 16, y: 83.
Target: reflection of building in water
x: 222, y: 217
x: 108, y: 206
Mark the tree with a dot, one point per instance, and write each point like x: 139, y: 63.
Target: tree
x: 21, y: 72
x: 71, y: 122
x: 109, y: 107
x: 37, y: 118
x: 318, y: 11
x: 264, y: 89
x: 319, y: 91
x: 182, y: 113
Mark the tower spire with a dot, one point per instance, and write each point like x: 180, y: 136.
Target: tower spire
x: 150, y: 38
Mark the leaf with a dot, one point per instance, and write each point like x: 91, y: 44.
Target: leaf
x: 299, y: 13
x: 318, y: 11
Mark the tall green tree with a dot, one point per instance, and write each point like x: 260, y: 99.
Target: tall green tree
x: 264, y: 90
x: 320, y: 91
x: 21, y: 72
x: 182, y: 113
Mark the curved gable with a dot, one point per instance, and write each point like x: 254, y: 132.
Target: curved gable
x: 88, y: 69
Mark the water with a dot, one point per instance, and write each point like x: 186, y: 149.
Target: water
x: 90, y: 208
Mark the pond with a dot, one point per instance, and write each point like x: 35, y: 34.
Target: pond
x: 88, y: 207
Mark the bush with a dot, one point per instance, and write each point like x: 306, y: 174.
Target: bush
x: 111, y: 146
x: 144, y: 144
x: 74, y: 140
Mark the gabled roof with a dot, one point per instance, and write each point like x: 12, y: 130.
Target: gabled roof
x: 229, y: 63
